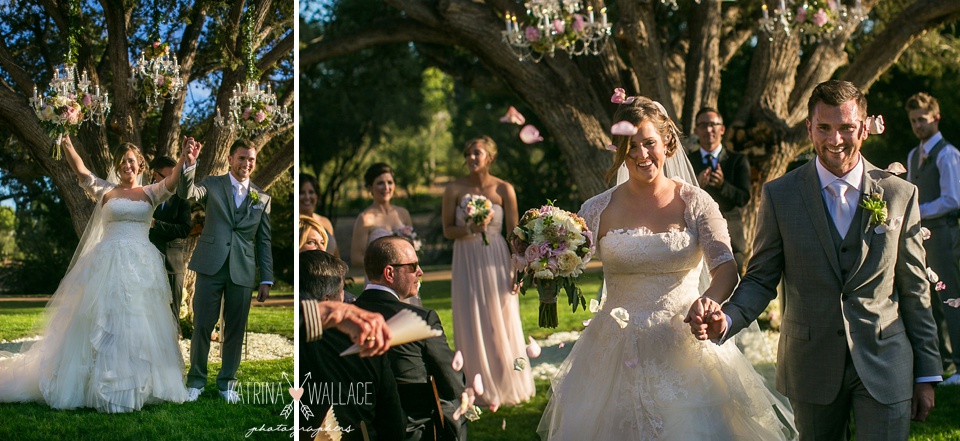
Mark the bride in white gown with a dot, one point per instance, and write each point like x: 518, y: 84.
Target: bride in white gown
x: 648, y: 378
x: 110, y: 341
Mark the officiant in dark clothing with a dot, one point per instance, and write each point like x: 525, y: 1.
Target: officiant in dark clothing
x: 171, y: 225
x: 725, y: 175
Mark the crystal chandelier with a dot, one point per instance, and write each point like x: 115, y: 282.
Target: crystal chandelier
x: 813, y: 20
x: 157, y: 74
x: 68, y: 103
x: 252, y: 111
x: 556, y: 24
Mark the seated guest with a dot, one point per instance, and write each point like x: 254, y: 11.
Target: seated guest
x: 321, y: 278
x: 391, y: 266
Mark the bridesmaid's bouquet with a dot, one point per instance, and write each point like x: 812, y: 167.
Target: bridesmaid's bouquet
x: 552, y: 249
x: 478, y: 210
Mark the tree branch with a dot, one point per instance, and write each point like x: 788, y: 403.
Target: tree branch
x: 383, y: 32
x: 284, y: 48
x: 280, y: 162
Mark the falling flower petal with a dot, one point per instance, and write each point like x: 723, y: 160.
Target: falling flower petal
x: 629, y: 99
x: 586, y: 322
x: 504, y: 425
x: 533, y: 349
x: 924, y: 233
x: 953, y: 302
x: 932, y: 276
x: 561, y: 345
x: 896, y: 168
x: 618, y: 96
x: 940, y: 286
x: 530, y: 135
x: 457, y: 361
x: 631, y: 363
x: 594, y: 306
x: 519, y: 364
x: 875, y: 126
x: 513, y: 116
x: 621, y: 316
x: 624, y: 128
x: 494, y: 407
x: 478, y: 385
x: 612, y: 147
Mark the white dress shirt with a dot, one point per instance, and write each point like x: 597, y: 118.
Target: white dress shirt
x: 948, y: 162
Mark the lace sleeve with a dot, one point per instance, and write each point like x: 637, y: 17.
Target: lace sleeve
x: 704, y: 215
x: 590, y: 212
x: 157, y: 192
x: 96, y: 187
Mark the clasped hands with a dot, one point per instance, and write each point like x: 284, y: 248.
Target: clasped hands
x: 706, y: 320
x: 190, y: 150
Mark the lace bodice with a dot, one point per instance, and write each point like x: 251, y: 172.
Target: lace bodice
x: 125, y: 219
x: 493, y: 227
x: 657, y: 274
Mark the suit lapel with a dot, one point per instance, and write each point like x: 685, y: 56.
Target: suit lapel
x: 869, y: 187
x: 811, y: 193
x: 228, y: 191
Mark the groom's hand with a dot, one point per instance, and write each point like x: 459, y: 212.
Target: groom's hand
x: 191, y: 151
x: 706, y: 320
x: 263, y: 292
x: 923, y: 398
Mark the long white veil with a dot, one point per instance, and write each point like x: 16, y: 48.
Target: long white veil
x: 23, y: 372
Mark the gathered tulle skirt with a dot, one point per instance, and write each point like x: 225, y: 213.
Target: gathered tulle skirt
x: 653, y: 381
x: 109, y: 339
x: 486, y: 320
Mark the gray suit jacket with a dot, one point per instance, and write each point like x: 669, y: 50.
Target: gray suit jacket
x: 242, y: 234
x: 880, y: 310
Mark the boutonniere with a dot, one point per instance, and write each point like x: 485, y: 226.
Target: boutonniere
x: 877, y: 208
x: 255, y: 198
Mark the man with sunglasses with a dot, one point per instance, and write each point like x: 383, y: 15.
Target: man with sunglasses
x: 171, y: 225
x: 392, y: 267
x: 724, y: 174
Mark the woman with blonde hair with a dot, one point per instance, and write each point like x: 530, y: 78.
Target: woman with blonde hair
x: 308, y: 207
x: 312, y: 235
x: 486, y: 311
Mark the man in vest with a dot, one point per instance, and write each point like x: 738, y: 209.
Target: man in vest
x: 934, y: 167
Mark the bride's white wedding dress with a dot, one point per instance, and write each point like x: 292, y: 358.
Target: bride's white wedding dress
x: 110, y: 340
x: 652, y: 379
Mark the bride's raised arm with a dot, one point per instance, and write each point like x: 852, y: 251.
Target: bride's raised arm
x: 74, y: 160
x: 189, y: 147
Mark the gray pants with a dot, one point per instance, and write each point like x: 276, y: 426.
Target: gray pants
x: 176, y: 287
x: 831, y: 422
x: 210, y: 291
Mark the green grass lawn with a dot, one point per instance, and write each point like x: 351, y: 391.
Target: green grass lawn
x: 521, y: 421
x: 263, y: 390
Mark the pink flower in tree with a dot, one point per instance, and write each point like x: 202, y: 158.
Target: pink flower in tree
x: 260, y: 116
x: 820, y: 18
x: 801, y: 15
x: 559, y: 26
x: 532, y: 34
x: 578, y: 23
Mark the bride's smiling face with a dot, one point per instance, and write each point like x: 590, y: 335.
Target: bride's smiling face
x: 129, y: 167
x: 647, y: 153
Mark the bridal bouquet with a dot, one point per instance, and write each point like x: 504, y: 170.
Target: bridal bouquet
x: 478, y: 210
x: 552, y: 249
x: 408, y: 233
x: 62, y: 115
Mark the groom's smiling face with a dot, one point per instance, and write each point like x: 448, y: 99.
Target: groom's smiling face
x: 837, y: 133
x: 242, y: 162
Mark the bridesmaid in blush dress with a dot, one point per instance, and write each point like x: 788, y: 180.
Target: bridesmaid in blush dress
x: 486, y: 311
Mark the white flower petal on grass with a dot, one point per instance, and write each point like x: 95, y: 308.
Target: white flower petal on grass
x: 896, y: 168
x: 561, y: 345
x: 594, y: 306
x: 924, y: 233
x: 533, y: 349
x: 621, y: 316
x: 932, y: 276
x: 457, y: 361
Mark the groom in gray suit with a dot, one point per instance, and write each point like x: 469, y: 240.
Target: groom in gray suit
x: 857, y: 330
x: 235, y: 241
